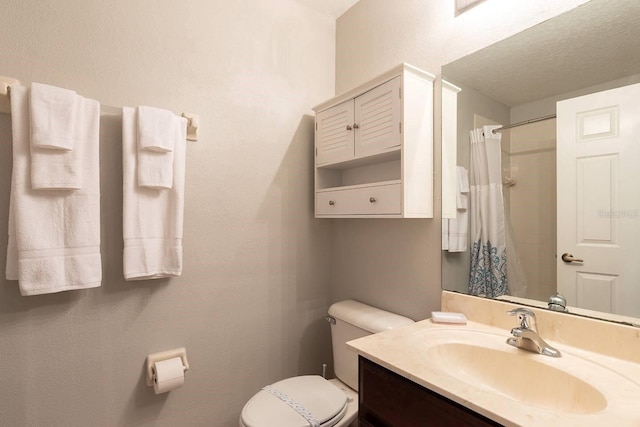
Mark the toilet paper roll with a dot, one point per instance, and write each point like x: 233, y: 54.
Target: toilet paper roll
x: 169, y: 375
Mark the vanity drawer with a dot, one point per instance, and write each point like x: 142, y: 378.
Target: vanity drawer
x: 370, y: 200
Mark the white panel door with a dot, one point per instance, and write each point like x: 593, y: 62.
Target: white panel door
x: 334, y: 133
x: 598, y: 171
x: 377, y: 119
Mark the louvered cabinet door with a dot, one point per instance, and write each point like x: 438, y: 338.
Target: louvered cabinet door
x: 334, y: 134
x: 374, y: 148
x: 377, y: 119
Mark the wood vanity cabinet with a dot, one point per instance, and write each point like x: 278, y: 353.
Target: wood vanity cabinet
x: 374, y: 149
x: 387, y: 399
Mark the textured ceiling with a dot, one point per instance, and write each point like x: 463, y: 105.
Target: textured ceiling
x: 596, y: 42
x: 332, y: 8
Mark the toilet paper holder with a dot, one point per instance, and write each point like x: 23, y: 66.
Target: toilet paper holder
x: 164, y: 355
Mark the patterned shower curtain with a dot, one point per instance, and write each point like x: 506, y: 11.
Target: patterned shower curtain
x: 488, y: 275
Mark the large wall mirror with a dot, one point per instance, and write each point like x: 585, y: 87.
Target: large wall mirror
x: 538, y: 86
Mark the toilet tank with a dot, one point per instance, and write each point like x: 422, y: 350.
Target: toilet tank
x: 350, y: 320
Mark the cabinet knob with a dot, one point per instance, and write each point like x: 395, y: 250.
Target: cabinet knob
x: 372, y: 199
x: 331, y: 203
x: 356, y: 126
x: 349, y: 127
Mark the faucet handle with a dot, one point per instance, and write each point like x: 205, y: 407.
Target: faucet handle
x: 524, y: 314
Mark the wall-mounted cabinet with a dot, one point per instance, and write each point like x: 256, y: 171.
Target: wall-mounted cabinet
x: 374, y: 149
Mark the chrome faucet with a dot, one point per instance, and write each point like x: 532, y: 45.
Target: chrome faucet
x: 526, y: 335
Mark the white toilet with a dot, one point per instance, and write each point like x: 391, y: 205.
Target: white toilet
x: 311, y: 400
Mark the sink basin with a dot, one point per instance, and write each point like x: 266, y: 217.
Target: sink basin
x: 482, y: 361
x: 518, y: 376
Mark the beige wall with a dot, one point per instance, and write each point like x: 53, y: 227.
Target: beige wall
x: 250, y: 305
x: 396, y: 264
x: 258, y: 272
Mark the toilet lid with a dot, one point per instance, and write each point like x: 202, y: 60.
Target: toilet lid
x: 317, y: 395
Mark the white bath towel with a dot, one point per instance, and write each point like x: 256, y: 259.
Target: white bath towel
x: 11, y: 272
x: 54, y: 236
x: 53, y: 115
x: 152, y: 218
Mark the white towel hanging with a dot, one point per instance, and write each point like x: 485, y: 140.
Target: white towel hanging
x: 152, y: 219
x: 54, y: 236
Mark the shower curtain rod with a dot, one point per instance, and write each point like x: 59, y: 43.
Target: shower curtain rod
x: 526, y: 122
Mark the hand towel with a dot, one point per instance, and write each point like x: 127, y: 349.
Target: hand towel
x: 455, y: 232
x: 155, y: 136
x: 152, y: 219
x: 53, y: 113
x: 54, y: 242
x: 462, y: 187
x: 445, y: 234
x: 155, y: 129
x: 155, y: 170
x: 61, y: 169
x: 56, y: 118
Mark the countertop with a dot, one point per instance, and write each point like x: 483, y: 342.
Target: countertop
x: 405, y: 352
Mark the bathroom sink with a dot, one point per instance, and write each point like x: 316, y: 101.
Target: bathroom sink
x: 481, y: 360
x: 473, y: 366
x: 518, y: 376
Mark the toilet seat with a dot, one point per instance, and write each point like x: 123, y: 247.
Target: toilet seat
x: 326, y: 402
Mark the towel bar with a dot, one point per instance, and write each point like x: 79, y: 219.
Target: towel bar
x: 5, y: 101
x: 193, y: 121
